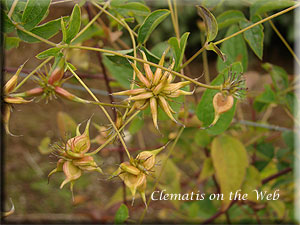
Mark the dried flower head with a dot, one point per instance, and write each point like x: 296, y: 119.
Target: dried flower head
x: 134, y: 173
x: 155, y: 90
x: 72, y: 159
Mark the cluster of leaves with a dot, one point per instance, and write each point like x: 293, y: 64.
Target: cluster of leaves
x: 227, y: 163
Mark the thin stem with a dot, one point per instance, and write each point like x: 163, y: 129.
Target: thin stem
x: 30, y: 74
x: 161, y: 171
x: 193, y: 57
x: 103, y: 109
x: 12, y: 9
x: 135, y: 55
x: 91, y: 22
x: 284, y: 41
x: 218, y: 87
x: 205, y: 61
x: 257, y: 23
x: 176, y: 16
x: 99, y: 56
x: 113, y: 136
x: 174, y: 19
x: 34, y: 35
x: 112, y: 16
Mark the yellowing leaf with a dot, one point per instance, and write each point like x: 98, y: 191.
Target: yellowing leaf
x: 279, y: 208
x: 230, y: 161
x: 252, y: 182
x: 207, y: 170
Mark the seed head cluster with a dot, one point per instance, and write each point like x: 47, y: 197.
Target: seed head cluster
x: 155, y: 89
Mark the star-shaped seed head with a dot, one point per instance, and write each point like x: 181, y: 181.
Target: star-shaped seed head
x: 155, y: 89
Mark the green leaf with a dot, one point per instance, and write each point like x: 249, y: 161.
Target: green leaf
x: 229, y: 17
x: 235, y: 50
x: 150, y: 55
x: 46, y: 31
x: 89, y: 33
x: 34, y: 12
x: 74, y: 24
x: 254, y: 36
x: 252, y: 182
x: 202, y: 138
x: 178, y: 48
x: 19, y: 7
x: 121, y: 73
x: 205, y: 109
x: 262, y: 6
x: 48, y: 52
x: 150, y: 23
x: 11, y: 42
x: 210, y: 21
x: 122, y: 61
x: 269, y: 170
x: 278, y: 74
x: 63, y: 30
x: 122, y: 214
x: 159, y: 49
x: 288, y: 137
x: 266, y: 149
x: 230, y: 161
x: 135, y: 8
x: 44, y: 146
x: 207, y: 170
x: 264, y: 99
x: 7, y: 23
x: 136, y: 125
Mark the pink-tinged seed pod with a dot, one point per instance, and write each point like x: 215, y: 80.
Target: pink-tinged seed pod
x: 140, y: 76
x: 59, y: 168
x: 130, y: 92
x: 11, y: 84
x: 222, y: 103
x: 147, y: 158
x: 64, y: 93
x: 71, y: 172
x: 166, y: 107
x: 34, y: 92
x: 87, y: 163
x: 147, y: 68
x: 81, y: 143
x: 133, y: 182
x: 153, y: 107
x: 174, y: 87
x: 57, y: 73
x: 16, y: 100
x: 158, y: 72
x: 126, y: 167
x: 142, y: 96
